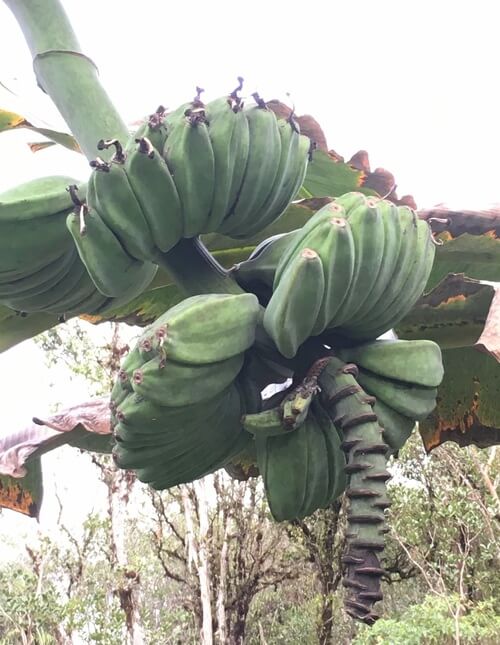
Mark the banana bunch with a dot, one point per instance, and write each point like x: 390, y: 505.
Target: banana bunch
x: 236, y: 167
x: 181, y: 392
x: 403, y: 376
x: 302, y: 463
x: 220, y: 167
x: 40, y: 269
x: 356, y: 267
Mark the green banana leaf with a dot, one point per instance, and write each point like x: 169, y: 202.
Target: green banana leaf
x: 85, y: 426
x: 467, y: 409
x: 470, y: 244
x: 12, y: 121
x: 452, y: 314
x: 23, y: 495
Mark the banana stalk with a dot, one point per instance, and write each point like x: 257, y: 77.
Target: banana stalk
x: 67, y: 75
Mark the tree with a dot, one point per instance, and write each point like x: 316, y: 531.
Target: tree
x: 194, y: 270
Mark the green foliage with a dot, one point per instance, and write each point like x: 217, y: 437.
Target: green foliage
x: 72, y: 345
x: 432, y: 623
x: 27, y: 611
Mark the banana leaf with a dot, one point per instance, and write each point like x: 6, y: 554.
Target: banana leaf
x: 467, y: 409
x: 23, y: 495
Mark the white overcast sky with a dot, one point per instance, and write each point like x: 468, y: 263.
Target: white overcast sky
x: 414, y: 83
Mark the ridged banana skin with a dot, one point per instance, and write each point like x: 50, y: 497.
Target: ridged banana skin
x: 37, y: 198
x: 31, y: 244
x: 365, y: 326
x: 190, y: 158
x: 412, y: 361
x: 155, y: 190
x: 39, y: 280
x: 412, y: 289
x: 289, y: 178
x: 219, y: 440
x: 45, y: 300
x: 111, y: 195
x: 282, y: 463
x: 261, y: 264
x: 175, y: 384
x: 396, y: 428
x: 337, y: 480
x: 186, y: 472
x: 208, y: 438
x: 306, y: 233
x: 410, y: 400
x: 392, y: 244
x: 291, y: 313
x: 261, y: 170
x: 317, y: 469
x: 140, y: 419
x: 368, y: 234
x: 334, y: 243
x: 224, y: 118
x: 114, y: 272
x: 209, y: 327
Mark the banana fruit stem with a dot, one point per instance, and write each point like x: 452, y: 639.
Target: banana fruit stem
x: 195, y: 270
x: 351, y: 410
x: 67, y: 75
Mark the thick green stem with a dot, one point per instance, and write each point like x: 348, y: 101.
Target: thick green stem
x: 195, y: 270
x: 67, y: 75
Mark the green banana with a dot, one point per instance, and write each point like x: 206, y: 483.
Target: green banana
x: 114, y: 272
x: 208, y: 328
x: 261, y: 265
x: 32, y: 233
x: 111, y: 196
x: 153, y: 129
x: 282, y: 464
x: 156, y: 193
x: 166, y: 382
x: 409, y: 399
x: 412, y: 361
x: 291, y: 172
x: 141, y: 419
x: 261, y: 169
x: 229, y: 135
x: 291, y: 313
x: 367, y: 229
x: 41, y: 279
x: 410, y: 275
x: 47, y: 300
x: 393, y: 238
x: 411, y: 290
x: 36, y: 198
x: 333, y: 241
x: 336, y: 209
x: 316, y: 494
x: 396, y: 428
x: 218, y: 439
x: 337, y: 480
x: 190, y: 158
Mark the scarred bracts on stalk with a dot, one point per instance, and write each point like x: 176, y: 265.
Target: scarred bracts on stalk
x: 366, y: 452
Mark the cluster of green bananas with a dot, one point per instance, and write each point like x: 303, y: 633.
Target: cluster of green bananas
x: 40, y: 269
x: 403, y: 376
x: 299, y: 455
x: 356, y: 267
x: 181, y: 392
x: 221, y: 167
